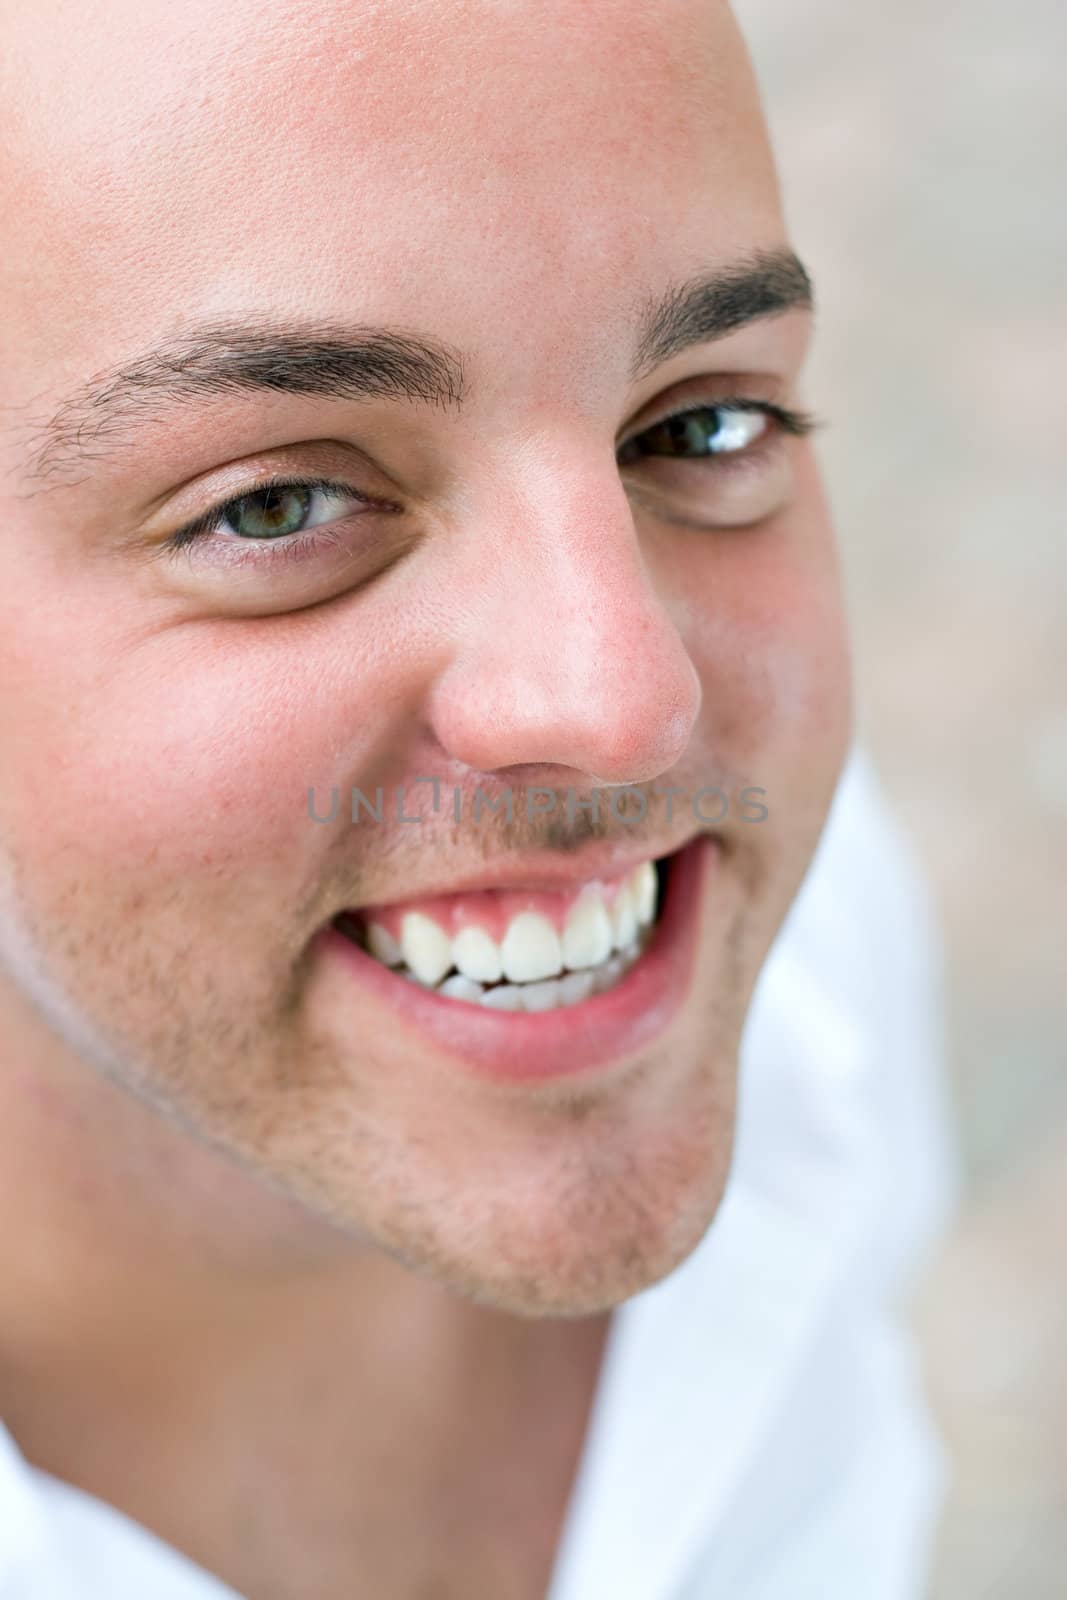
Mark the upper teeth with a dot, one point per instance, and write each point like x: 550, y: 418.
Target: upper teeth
x: 531, y: 950
x: 381, y: 943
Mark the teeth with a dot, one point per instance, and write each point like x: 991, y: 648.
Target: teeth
x: 426, y: 947
x: 574, y: 987
x: 608, y: 974
x: 381, y: 944
x: 645, y: 884
x: 505, y: 997
x: 623, y: 917
x: 547, y: 995
x: 460, y: 988
x: 540, y: 996
x: 477, y: 955
x: 587, y: 934
x: 531, y: 949
x: 596, y: 948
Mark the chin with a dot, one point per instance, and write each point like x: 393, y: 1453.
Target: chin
x: 582, y: 1237
x: 608, y: 1259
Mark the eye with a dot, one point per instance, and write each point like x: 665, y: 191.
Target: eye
x: 276, y: 511
x: 273, y: 512
x: 727, y: 428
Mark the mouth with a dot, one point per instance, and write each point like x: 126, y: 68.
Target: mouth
x: 518, y: 949
x: 524, y: 983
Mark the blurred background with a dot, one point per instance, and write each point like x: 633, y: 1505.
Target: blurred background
x: 922, y: 149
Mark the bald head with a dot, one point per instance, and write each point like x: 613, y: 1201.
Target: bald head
x: 167, y: 164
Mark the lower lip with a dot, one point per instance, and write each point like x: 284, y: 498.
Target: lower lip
x: 511, y: 1046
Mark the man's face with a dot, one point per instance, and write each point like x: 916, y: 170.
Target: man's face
x: 536, y: 585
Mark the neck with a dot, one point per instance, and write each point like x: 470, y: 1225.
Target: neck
x: 153, y: 1291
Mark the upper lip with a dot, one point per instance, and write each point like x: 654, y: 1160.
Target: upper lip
x: 542, y: 871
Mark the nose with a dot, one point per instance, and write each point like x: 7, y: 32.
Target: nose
x: 569, y: 655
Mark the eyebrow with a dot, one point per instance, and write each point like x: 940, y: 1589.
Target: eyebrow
x: 338, y: 362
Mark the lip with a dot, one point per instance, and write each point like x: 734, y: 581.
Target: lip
x: 539, y: 873
x: 547, y: 1046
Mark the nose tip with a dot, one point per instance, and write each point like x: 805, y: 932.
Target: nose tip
x: 614, y: 734
x: 635, y: 735
x: 589, y: 672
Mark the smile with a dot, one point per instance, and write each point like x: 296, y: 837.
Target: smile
x: 536, y: 982
x: 514, y: 949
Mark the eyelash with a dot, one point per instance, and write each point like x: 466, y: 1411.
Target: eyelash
x: 797, y: 423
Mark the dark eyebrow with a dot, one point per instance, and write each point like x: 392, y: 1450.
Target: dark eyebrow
x: 340, y: 362
x: 715, y: 304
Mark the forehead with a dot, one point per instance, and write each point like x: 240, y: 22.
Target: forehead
x: 483, y: 168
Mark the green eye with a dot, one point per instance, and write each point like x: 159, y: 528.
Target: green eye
x: 270, y: 513
x: 273, y: 512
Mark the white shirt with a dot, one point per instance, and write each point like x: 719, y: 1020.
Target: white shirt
x: 758, y: 1432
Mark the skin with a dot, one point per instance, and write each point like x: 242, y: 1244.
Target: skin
x: 250, y: 1220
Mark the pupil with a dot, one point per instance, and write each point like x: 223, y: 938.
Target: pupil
x: 696, y: 431
x: 270, y: 513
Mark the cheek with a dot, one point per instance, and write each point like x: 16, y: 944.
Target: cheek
x: 765, y: 621
x: 189, y: 752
